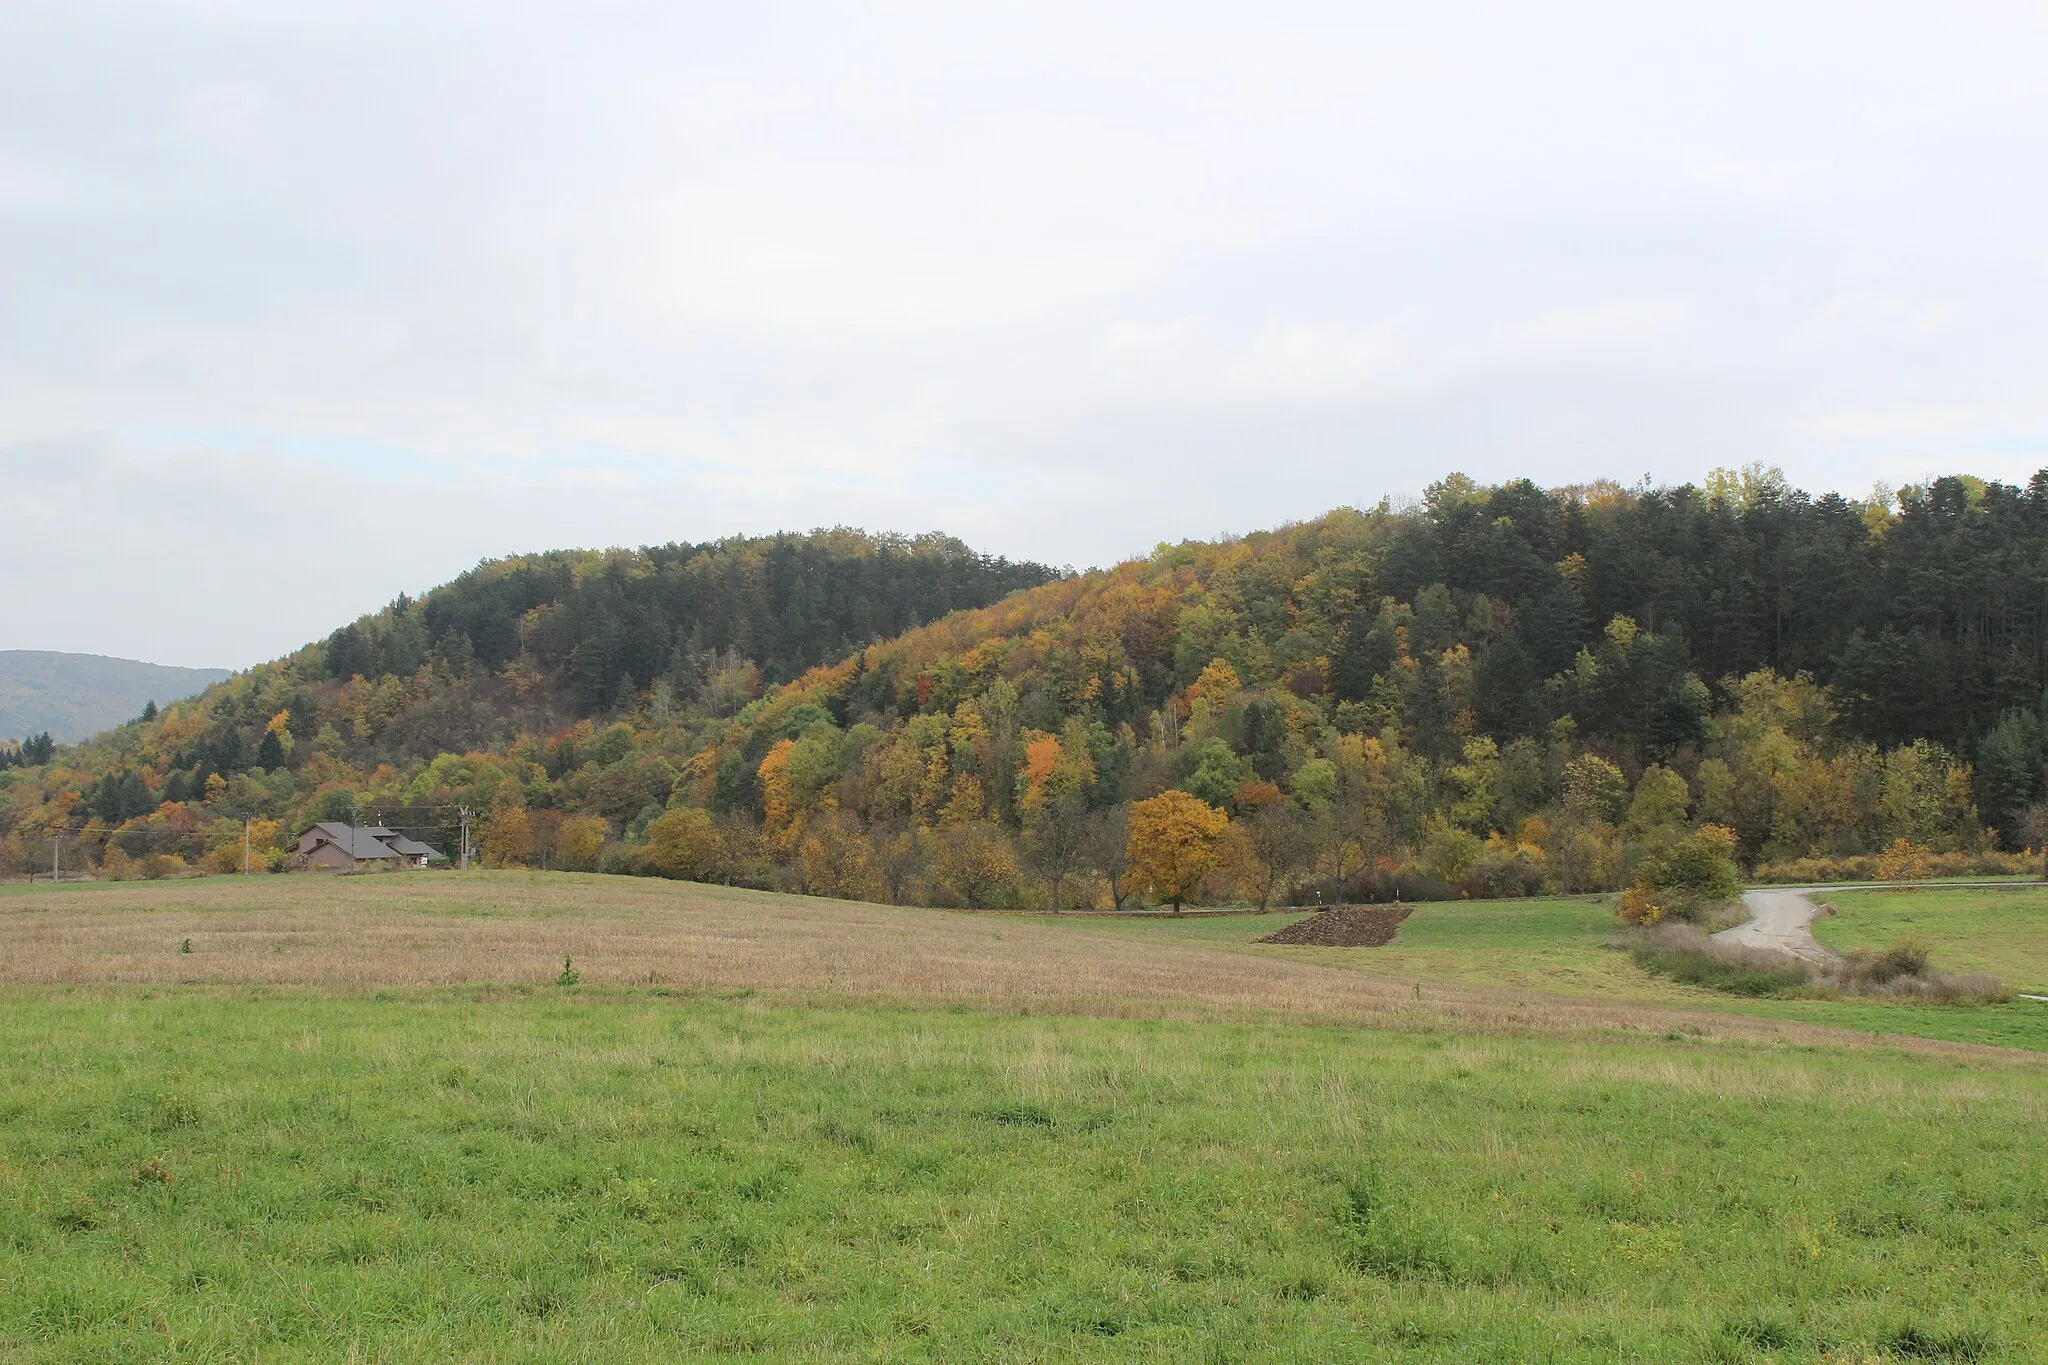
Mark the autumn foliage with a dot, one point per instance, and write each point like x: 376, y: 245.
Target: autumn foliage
x: 1174, y: 844
x: 1499, y: 692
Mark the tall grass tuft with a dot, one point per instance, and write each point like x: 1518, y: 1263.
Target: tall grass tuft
x: 1905, y: 971
x: 1681, y: 952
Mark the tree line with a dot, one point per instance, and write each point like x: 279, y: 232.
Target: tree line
x: 1497, y: 691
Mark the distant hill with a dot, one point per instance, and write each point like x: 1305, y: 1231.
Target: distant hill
x: 73, y: 696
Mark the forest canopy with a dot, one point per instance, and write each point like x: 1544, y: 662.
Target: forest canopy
x: 1494, y: 691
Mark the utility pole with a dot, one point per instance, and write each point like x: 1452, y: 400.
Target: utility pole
x: 355, y: 819
x: 56, y: 850
x: 245, y: 843
x: 464, y: 850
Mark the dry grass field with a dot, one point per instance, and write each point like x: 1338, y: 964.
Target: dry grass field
x: 515, y: 928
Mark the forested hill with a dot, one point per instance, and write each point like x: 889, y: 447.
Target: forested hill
x: 1499, y: 688
x: 1922, y: 618
x: 605, y: 625
x: 527, y: 645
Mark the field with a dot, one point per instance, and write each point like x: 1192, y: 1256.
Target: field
x: 1563, y: 948
x: 361, y: 1120
x: 2004, y: 932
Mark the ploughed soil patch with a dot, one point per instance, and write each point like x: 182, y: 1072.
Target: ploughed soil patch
x: 1350, y: 926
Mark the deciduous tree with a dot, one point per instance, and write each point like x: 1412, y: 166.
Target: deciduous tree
x: 1173, y: 844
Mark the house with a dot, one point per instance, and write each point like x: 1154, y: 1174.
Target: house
x: 354, y: 848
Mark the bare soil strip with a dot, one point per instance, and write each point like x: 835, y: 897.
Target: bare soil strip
x: 514, y: 929
x: 1365, y: 926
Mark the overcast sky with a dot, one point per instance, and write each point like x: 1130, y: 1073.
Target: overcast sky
x: 302, y: 305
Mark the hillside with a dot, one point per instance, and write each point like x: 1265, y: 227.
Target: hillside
x: 73, y: 696
x: 1497, y: 691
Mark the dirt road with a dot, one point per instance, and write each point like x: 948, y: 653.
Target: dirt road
x: 1782, y: 920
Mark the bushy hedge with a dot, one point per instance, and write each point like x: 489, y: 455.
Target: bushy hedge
x: 1865, y: 867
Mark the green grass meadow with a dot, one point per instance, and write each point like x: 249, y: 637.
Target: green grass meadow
x: 1997, y: 930
x: 216, y: 1174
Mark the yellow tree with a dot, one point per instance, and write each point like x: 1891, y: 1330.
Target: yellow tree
x: 778, y: 797
x: 507, y: 837
x: 684, y: 843
x: 1174, y: 842
x: 579, y: 841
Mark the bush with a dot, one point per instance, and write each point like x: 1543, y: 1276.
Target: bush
x: 1681, y: 876
x: 1905, y: 861
x: 1380, y: 885
x: 1864, y: 867
x: 157, y: 866
x: 1508, y: 868
x: 1643, y: 906
x: 1858, y: 868
x: 684, y: 843
x: 1682, y: 953
x: 1906, y: 971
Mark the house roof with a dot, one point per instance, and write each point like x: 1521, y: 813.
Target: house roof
x: 357, y: 843
x: 374, y: 841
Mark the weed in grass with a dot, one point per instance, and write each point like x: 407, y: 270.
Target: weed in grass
x: 155, y: 1171
x: 184, y: 945
x: 1917, y: 1343
x: 846, y: 1135
x: 169, y: 1111
x: 79, y: 1214
x: 1021, y: 1116
x: 1761, y: 1334
x: 568, y: 976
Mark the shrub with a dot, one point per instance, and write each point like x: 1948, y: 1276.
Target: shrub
x: 1378, y: 885
x: 1905, y: 971
x: 1681, y: 876
x: 1682, y: 953
x: 157, y: 866
x: 1858, y: 868
x: 1451, y: 855
x: 685, y: 843
x: 580, y: 842
x: 1864, y: 867
x: 1509, y: 868
x: 1905, y: 861
x: 1643, y: 905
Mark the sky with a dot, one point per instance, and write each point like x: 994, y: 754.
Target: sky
x: 303, y: 305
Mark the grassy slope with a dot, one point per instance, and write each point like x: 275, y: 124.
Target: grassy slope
x: 569, y: 1174
x: 1997, y: 931
x: 1560, y: 946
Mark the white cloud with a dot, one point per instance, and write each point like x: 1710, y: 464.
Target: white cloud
x: 1064, y: 279
x: 225, y: 111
